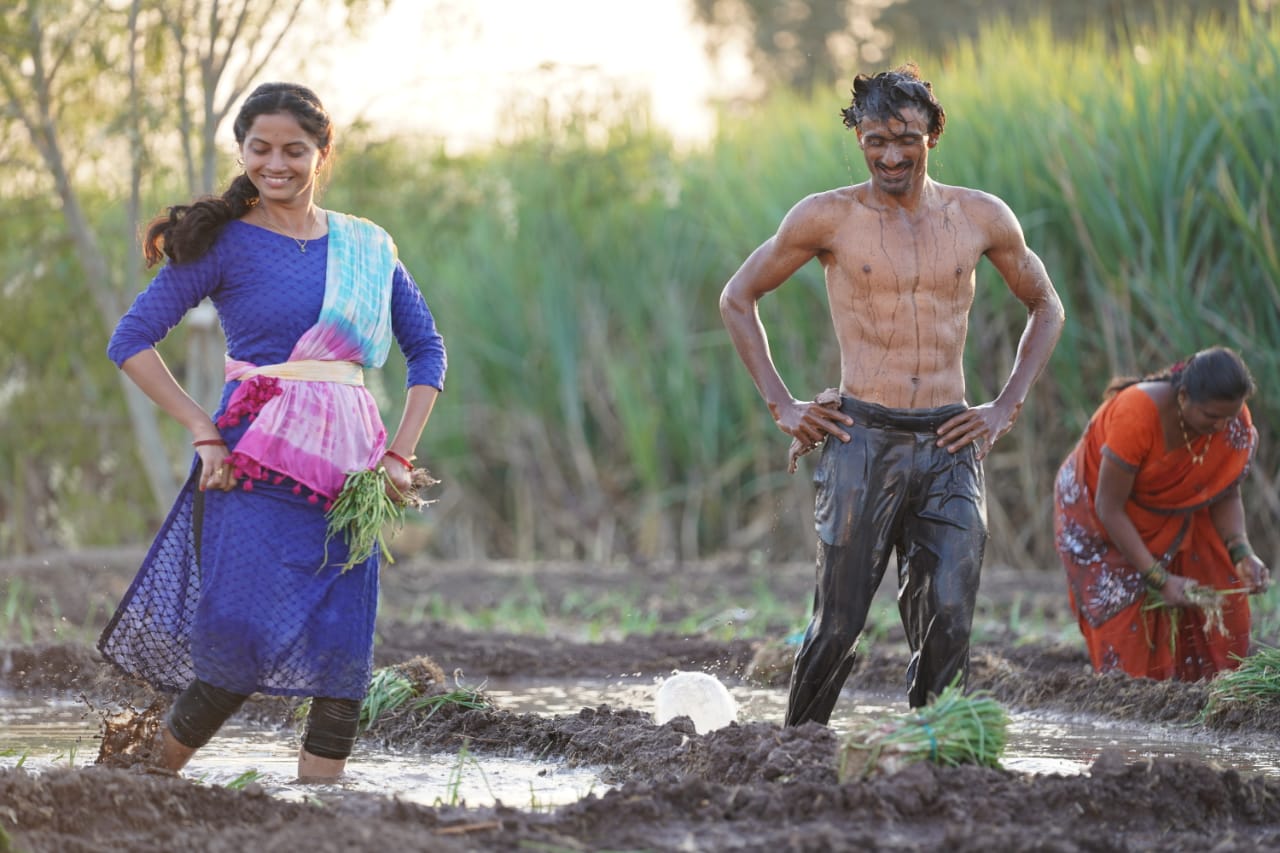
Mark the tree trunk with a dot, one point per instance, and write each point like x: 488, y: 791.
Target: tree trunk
x: 142, y: 412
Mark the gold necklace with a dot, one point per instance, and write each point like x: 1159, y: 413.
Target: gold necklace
x: 302, y: 244
x: 1197, y: 458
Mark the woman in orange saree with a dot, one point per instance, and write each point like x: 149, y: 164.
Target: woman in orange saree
x: 1147, y: 513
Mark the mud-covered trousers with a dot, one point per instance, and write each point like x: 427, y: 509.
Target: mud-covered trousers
x: 890, y: 487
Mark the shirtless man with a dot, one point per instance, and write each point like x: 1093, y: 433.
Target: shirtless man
x: 901, y: 448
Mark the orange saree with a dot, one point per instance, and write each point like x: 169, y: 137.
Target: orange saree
x: 1170, y: 507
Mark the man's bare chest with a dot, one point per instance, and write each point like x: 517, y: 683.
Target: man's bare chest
x: 938, y: 248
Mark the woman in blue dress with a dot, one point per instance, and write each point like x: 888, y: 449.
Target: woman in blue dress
x: 239, y: 593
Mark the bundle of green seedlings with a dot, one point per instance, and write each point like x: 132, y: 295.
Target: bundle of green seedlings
x: 1256, y: 682
x: 417, y: 685
x: 365, y: 509
x: 955, y: 729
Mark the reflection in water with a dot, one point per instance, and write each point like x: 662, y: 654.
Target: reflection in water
x: 39, y: 734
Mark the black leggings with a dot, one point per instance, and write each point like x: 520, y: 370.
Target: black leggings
x: 892, y: 489
x: 201, y: 709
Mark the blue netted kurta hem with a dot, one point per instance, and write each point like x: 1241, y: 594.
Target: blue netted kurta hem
x: 236, y: 590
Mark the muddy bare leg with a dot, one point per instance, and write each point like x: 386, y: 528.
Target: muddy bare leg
x: 171, y: 754
x: 313, y: 769
x: 196, y: 715
x: 332, y: 725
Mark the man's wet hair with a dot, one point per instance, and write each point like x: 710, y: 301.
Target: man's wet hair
x: 885, y: 95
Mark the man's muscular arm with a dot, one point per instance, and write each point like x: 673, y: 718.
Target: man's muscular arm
x: 800, y: 238
x: 1025, y: 276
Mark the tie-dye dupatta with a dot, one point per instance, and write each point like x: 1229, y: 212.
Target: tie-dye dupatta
x: 316, y: 432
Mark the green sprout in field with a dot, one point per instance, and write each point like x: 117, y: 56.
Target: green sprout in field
x: 243, y: 780
x: 454, y: 785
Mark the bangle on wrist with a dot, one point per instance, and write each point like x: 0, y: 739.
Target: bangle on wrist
x: 208, y: 442
x: 1155, y: 575
x: 1239, y: 550
x: 408, y: 463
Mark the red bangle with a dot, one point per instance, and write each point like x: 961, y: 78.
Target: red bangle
x: 205, y: 442
x: 396, y: 456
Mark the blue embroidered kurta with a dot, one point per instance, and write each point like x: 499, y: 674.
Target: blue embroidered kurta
x: 236, y: 589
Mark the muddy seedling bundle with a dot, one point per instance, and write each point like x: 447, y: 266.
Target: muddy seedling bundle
x: 364, y: 511
x: 416, y: 687
x: 1254, y: 685
x: 955, y: 729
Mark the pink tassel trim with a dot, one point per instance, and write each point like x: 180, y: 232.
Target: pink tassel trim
x: 247, y: 400
x: 248, y: 470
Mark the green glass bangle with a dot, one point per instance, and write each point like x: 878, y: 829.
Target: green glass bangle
x: 1240, y: 551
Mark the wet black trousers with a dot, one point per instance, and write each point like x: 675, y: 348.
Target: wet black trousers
x: 890, y: 488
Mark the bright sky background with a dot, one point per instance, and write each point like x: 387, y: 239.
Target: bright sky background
x: 450, y: 75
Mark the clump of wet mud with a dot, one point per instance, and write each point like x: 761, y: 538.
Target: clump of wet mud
x: 129, y: 736
x: 426, y: 676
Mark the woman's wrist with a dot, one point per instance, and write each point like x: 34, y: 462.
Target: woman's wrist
x: 407, y: 462
x: 1155, y: 575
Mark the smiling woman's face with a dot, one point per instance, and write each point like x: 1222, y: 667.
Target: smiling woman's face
x: 280, y: 158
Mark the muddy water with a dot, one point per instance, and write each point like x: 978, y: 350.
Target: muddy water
x: 1037, y: 743
x: 38, y: 734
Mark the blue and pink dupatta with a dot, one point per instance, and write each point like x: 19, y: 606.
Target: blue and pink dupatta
x: 318, y: 430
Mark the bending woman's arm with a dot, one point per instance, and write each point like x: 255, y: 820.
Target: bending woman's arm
x: 1115, y: 484
x: 1228, y: 520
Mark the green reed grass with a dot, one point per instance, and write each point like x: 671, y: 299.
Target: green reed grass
x: 596, y: 408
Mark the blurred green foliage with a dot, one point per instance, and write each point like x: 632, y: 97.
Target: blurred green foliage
x: 938, y: 26
x: 595, y: 407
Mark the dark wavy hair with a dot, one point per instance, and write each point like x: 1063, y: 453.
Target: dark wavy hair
x: 885, y: 95
x: 1210, y: 375
x: 186, y: 231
